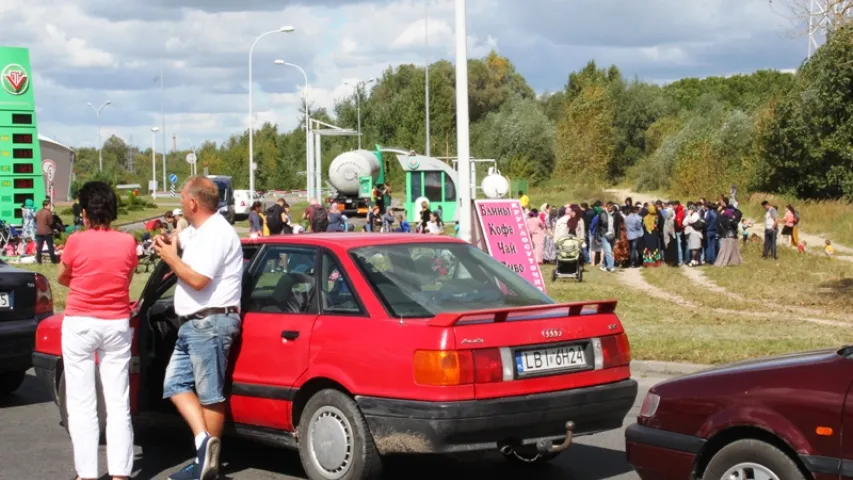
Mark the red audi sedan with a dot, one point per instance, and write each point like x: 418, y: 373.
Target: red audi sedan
x: 780, y: 418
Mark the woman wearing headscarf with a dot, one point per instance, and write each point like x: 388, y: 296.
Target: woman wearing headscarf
x: 548, y: 216
x: 577, y: 227
x: 28, y: 214
x: 561, y: 226
x: 727, y: 228
x: 651, y: 238
x: 536, y: 227
x: 670, y: 243
x: 694, y: 236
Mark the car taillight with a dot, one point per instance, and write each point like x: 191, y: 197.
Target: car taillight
x: 462, y: 367
x: 44, y: 296
x: 650, y: 405
x: 616, y: 351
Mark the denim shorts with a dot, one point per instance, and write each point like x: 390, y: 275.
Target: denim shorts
x: 200, y: 360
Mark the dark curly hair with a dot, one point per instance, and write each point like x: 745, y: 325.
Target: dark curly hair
x: 100, y: 203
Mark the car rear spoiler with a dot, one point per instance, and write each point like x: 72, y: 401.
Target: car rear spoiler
x: 574, y: 309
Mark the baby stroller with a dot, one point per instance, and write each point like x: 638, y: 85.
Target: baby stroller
x: 568, y: 259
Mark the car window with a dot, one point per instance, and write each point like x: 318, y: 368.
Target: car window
x: 282, y: 282
x: 420, y: 280
x: 249, y: 252
x: 337, y: 295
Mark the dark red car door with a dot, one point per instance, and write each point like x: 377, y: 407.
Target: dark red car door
x: 280, y: 305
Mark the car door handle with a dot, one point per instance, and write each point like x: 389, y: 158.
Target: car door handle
x: 289, y: 334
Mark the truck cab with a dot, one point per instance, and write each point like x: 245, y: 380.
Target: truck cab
x: 226, y: 196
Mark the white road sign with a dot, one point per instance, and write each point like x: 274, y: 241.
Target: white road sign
x: 191, y: 158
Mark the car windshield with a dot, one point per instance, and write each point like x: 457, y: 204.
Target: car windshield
x: 420, y: 280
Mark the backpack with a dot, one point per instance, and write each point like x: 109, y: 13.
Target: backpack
x: 319, y: 220
x: 796, y: 217
x: 738, y: 215
x: 274, y: 222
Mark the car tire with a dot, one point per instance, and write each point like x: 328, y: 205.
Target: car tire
x: 231, y: 215
x: 528, y: 455
x: 335, y: 418
x: 751, y: 454
x: 11, y: 381
x: 102, y: 411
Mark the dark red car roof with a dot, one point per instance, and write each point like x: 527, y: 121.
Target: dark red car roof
x: 347, y: 241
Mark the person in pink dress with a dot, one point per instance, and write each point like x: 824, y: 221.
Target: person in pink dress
x: 537, y: 234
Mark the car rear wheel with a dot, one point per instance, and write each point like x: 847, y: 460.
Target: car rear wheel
x: 102, y: 412
x: 527, y: 455
x: 11, y: 381
x: 334, y: 440
x: 754, y: 460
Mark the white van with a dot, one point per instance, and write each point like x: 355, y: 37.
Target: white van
x: 242, y: 203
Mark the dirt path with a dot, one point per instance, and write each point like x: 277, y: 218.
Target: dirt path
x: 633, y: 278
x: 698, y: 277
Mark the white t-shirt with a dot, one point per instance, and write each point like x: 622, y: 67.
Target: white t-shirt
x: 214, y: 251
x: 770, y: 219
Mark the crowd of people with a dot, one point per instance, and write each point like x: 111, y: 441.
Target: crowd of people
x: 652, y: 234
x: 277, y: 219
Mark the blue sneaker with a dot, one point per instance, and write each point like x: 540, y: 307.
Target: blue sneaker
x: 190, y: 472
x: 206, y: 465
x: 207, y: 459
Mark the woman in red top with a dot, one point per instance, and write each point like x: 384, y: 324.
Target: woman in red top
x: 97, y: 266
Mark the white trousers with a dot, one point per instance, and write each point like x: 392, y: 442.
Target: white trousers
x: 82, y: 337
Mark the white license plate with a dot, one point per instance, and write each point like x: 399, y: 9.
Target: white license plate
x: 546, y: 360
x: 5, y: 300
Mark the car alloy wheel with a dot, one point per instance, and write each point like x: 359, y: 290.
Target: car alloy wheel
x: 330, y: 441
x: 749, y: 471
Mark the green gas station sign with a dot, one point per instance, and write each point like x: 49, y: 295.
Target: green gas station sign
x: 21, y: 175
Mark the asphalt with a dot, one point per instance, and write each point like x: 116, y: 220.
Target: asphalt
x: 33, y: 445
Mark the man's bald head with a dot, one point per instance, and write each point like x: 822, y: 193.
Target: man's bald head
x: 204, y: 192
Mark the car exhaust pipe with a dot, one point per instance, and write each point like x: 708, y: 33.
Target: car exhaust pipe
x: 546, y: 446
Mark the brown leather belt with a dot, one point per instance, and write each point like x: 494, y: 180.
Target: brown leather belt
x: 208, y: 312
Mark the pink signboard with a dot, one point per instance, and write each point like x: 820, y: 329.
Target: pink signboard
x: 504, y: 228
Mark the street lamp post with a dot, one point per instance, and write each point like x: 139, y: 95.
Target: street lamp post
x: 426, y: 73
x: 251, y: 115
x: 98, y: 115
x: 358, y: 86
x: 462, y: 141
x: 308, y: 146
x: 154, y: 131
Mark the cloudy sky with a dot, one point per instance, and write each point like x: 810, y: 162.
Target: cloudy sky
x: 96, y: 50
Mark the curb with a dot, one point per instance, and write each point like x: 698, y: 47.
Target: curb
x: 669, y: 369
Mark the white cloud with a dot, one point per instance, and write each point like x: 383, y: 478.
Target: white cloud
x: 94, y: 50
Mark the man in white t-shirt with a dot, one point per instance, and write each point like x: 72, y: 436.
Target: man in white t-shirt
x: 207, y: 301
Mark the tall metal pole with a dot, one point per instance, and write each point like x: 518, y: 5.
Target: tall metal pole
x: 100, y: 144
x: 309, y: 147
x: 154, y: 162
x: 426, y: 59
x: 462, y: 124
x: 358, y: 110
x: 163, y: 119
x: 251, y: 114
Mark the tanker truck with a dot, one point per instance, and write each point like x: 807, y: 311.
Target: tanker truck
x: 345, y: 174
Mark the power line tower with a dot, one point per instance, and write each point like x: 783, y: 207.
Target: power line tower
x: 131, y: 154
x: 824, y: 16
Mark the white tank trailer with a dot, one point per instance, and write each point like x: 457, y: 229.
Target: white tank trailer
x: 344, y: 172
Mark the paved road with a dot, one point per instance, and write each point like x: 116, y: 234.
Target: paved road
x: 34, y: 445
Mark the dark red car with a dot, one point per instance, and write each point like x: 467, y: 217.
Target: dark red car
x: 355, y: 346
x: 780, y: 418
